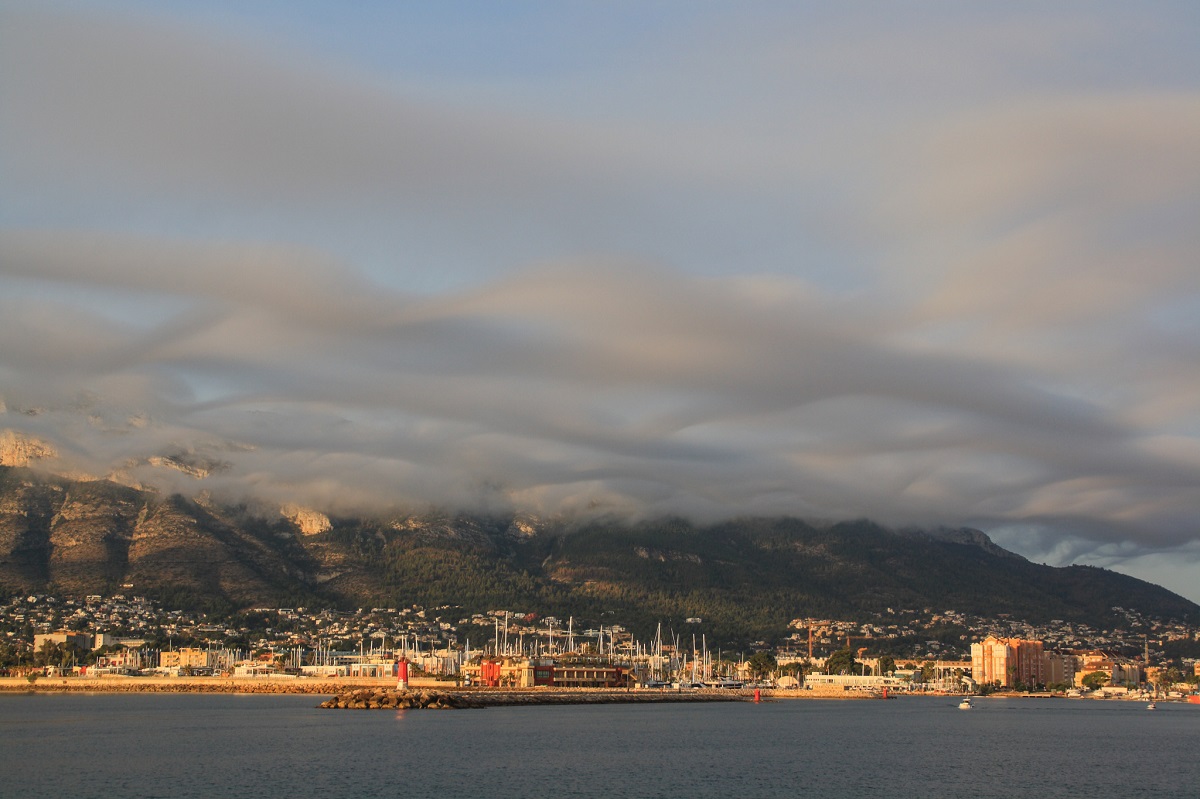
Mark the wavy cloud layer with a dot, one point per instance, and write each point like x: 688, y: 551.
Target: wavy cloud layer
x: 779, y: 266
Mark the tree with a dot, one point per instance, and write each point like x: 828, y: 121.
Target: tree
x: 1095, y: 680
x: 10, y: 655
x: 842, y: 662
x: 886, y: 664
x: 55, y: 654
x: 797, y: 668
x: 762, y: 664
x: 1167, y: 677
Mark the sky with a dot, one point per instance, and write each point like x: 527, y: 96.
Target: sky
x: 928, y: 263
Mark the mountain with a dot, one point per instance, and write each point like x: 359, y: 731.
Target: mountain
x: 747, y: 578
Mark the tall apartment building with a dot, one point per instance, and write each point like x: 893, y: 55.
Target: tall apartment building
x: 1008, y: 661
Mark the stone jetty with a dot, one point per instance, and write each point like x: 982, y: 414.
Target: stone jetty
x: 393, y: 699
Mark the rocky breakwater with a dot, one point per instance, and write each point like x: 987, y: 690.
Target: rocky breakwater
x: 392, y: 699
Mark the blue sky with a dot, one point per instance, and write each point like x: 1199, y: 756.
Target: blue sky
x: 931, y: 263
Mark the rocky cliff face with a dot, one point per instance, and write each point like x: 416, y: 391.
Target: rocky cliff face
x: 78, y: 538
x: 26, y: 508
x: 308, y: 521
x: 17, y: 449
x: 89, y: 535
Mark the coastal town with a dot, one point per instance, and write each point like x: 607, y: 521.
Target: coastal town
x: 905, y: 650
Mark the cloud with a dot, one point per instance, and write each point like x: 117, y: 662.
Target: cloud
x: 1049, y: 214
x: 706, y: 282
x: 169, y: 110
x: 97, y: 103
x: 642, y: 386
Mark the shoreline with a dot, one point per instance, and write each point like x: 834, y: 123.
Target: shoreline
x: 340, y: 687
x: 486, y: 696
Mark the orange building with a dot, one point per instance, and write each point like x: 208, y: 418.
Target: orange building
x: 1008, y: 661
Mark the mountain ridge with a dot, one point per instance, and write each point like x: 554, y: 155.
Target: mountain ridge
x: 749, y: 576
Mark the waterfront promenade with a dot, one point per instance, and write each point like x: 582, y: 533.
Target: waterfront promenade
x: 216, y: 685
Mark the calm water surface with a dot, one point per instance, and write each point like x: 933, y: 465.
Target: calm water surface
x: 206, y: 745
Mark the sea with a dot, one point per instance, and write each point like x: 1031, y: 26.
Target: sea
x: 218, y: 745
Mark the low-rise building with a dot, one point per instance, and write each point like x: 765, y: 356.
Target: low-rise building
x: 1119, y: 671
x: 527, y: 673
x: 493, y: 672
x: 79, y: 640
x: 122, y: 661
x: 585, y: 675
x: 851, y: 682
x: 186, y: 658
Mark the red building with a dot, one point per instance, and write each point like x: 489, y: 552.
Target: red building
x: 489, y: 673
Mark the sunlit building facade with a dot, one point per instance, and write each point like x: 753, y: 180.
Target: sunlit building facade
x: 1008, y: 661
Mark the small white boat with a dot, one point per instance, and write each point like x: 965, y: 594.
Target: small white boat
x: 1151, y: 706
x: 965, y: 704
